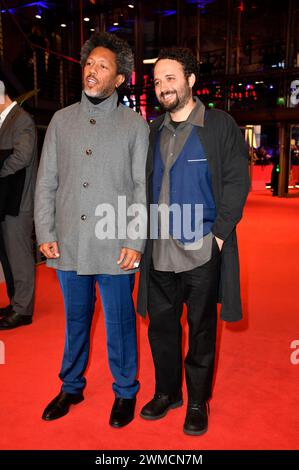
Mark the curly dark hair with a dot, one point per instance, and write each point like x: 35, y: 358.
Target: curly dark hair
x: 184, y: 56
x: 122, y: 50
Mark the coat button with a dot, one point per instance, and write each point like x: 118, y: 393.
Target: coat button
x: 85, y: 184
x: 88, y: 152
x: 83, y: 217
x: 92, y: 121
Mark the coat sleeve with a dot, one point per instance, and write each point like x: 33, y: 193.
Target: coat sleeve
x: 23, y: 146
x: 235, y: 179
x: 139, y: 148
x: 46, y: 187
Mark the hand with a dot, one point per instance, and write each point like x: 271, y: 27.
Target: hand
x: 50, y: 250
x: 219, y: 243
x: 127, y: 258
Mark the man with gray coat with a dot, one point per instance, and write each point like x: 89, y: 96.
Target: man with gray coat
x: 94, y: 155
x: 18, y: 168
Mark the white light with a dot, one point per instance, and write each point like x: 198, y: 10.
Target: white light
x: 126, y: 101
x: 130, y: 5
x: 86, y: 19
x: 115, y: 23
x: 150, y: 61
x: 92, y: 29
x: 63, y: 25
x: 38, y: 17
x: 240, y: 84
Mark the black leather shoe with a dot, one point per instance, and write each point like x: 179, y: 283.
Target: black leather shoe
x: 13, y: 320
x: 196, y: 422
x: 159, y: 406
x: 122, y: 412
x: 4, y: 311
x: 60, y: 405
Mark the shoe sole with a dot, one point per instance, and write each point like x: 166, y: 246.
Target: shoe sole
x: 3, y: 328
x: 170, y: 407
x: 66, y: 412
x: 118, y: 426
x: 195, y: 433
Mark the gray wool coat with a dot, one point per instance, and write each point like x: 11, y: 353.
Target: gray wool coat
x: 91, y: 155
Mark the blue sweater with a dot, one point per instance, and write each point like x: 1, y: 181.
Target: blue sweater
x: 189, y: 183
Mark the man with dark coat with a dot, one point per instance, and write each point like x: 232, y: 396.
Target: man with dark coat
x: 197, y: 157
x: 18, y: 168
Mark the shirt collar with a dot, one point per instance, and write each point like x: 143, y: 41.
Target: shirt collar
x: 107, y: 105
x: 195, y: 118
x: 6, y: 111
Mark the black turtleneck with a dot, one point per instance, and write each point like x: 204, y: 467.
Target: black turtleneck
x: 95, y: 99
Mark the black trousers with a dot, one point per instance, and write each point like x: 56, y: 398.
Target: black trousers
x: 6, y: 267
x: 17, y: 236
x: 168, y: 291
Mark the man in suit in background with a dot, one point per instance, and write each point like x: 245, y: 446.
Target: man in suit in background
x: 18, y: 168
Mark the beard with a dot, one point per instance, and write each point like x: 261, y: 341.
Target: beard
x: 99, y: 93
x: 180, y: 100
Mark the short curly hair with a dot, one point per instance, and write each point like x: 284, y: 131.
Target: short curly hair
x: 184, y: 56
x: 120, y: 47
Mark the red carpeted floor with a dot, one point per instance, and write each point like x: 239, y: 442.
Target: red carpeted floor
x: 255, y: 400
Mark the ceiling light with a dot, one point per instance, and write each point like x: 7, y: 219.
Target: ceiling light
x: 150, y: 61
x: 86, y: 19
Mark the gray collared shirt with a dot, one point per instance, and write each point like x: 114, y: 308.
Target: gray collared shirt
x: 170, y: 254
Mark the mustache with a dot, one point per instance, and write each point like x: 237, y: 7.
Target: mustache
x: 91, y: 76
x: 164, y: 93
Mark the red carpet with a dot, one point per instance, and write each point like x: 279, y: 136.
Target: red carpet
x: 255, y: 401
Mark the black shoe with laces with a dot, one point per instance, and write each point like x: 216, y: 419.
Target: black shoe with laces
x: 196, y: 422
x: 159, y: 406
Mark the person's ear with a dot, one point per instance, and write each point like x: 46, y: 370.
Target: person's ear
x: 191, y: 80
x: 119, y: 80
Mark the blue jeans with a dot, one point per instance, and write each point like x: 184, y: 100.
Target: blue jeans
x: 79, y: 299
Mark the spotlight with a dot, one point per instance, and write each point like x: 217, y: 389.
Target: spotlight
x: 86, y: 19
x: 63, y: 25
